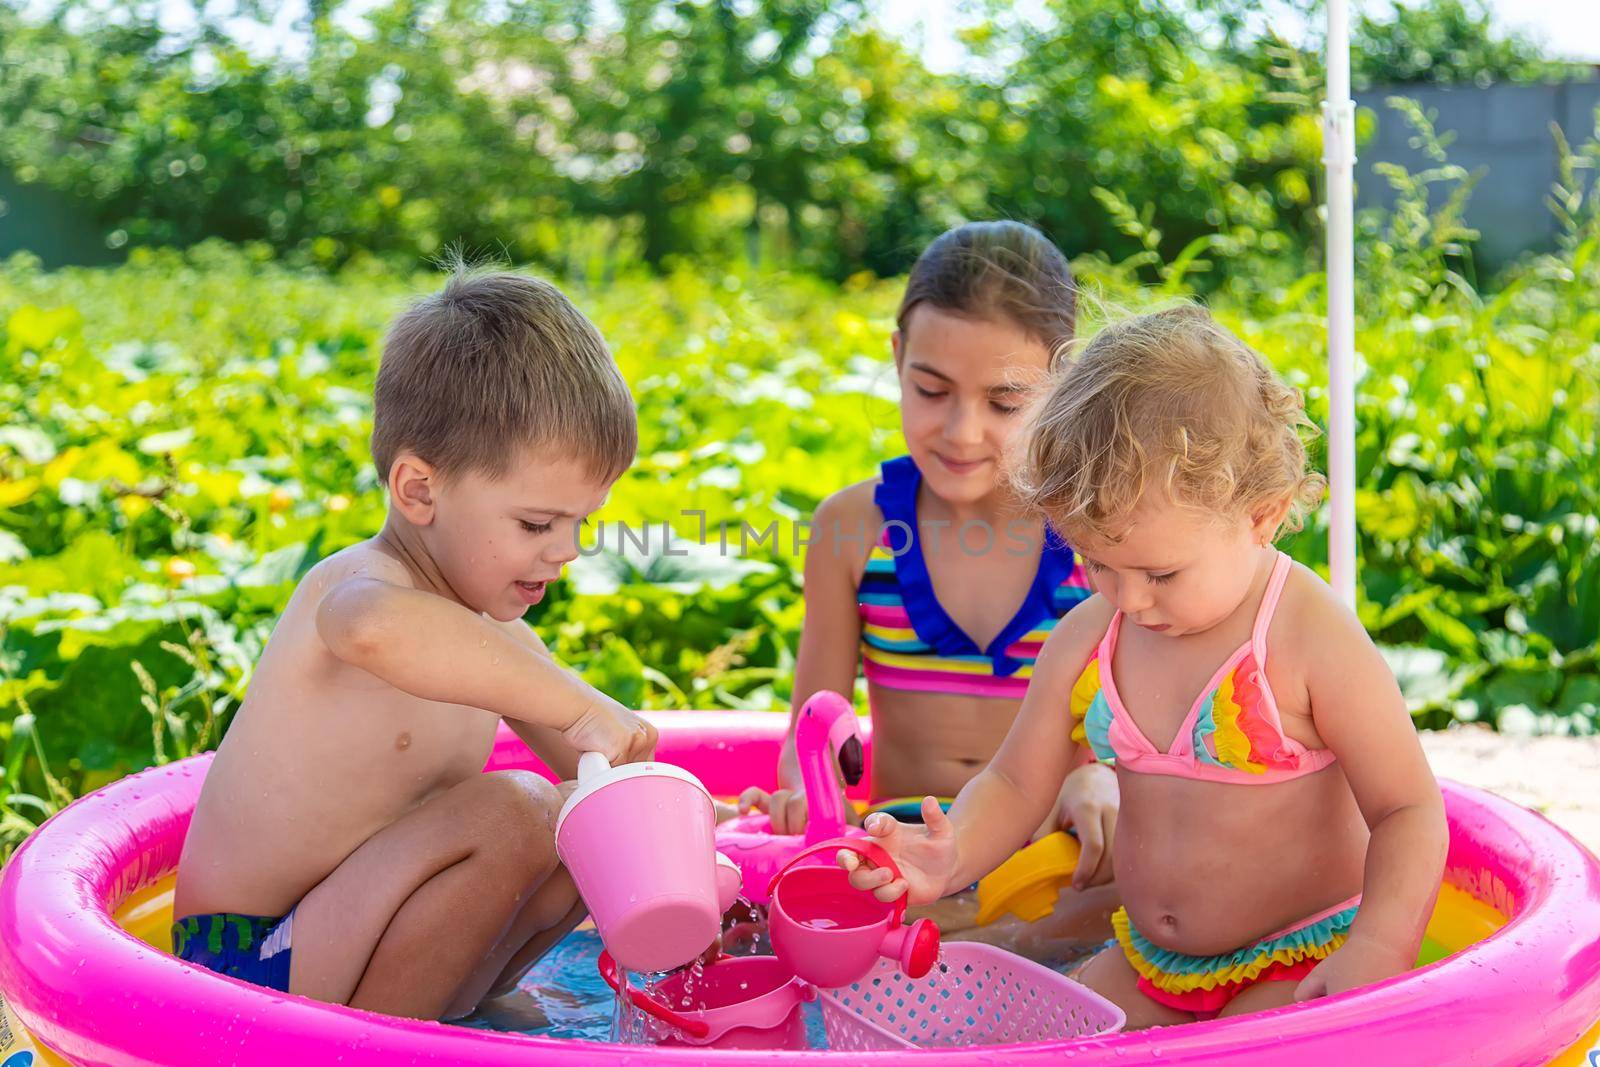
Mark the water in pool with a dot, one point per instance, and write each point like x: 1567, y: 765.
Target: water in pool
x: 564, y: 996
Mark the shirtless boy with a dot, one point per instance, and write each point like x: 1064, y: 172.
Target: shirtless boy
x: 346, y: 846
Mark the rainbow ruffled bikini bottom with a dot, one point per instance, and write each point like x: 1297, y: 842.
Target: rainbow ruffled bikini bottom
x: 1205, y: 984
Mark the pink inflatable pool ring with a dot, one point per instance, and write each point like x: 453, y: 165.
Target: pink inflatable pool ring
x: 96, y: 996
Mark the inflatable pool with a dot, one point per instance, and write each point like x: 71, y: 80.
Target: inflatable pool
x: 86, y: 980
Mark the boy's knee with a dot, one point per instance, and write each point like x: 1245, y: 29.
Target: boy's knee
x: 518, y: 812
x: 556, y: 904
x: 523, y: 793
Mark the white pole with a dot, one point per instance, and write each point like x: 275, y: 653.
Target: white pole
x: 1339, y: 155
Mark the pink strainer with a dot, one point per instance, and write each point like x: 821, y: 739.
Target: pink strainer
x: 975, y: 995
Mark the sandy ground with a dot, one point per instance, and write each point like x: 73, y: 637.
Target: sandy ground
x: 1558, y: 777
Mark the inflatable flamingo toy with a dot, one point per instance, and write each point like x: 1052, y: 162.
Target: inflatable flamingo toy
x: 826, y: 731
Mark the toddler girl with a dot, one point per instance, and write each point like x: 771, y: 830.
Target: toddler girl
x: 1281, y: 836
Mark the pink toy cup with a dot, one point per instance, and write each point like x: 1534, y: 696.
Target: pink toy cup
x: 750, y: 1002
x: 638, y: 841
x: 832, y: 933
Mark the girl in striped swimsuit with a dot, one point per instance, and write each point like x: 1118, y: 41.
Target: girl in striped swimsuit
x: 927, y: 578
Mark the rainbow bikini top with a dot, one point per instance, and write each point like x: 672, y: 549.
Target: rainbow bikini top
x: 1233, y: 732
x: 908, y: 641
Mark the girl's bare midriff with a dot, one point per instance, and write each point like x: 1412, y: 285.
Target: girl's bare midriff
x: 933, y: 742
x: 1207, y: 867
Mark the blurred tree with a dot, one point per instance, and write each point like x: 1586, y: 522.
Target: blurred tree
x: 782, y: 123
x: 652, y: 117
x: 1123, y: 126
x: 1446, y: 41
x: 589, y: 134
x: 177, y: 139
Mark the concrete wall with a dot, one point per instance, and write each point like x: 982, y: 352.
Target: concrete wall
x: 1503, y: 130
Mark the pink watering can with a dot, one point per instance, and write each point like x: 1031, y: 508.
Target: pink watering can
x: 638, y: 840
x: 826, y: 730
x: 832, y: 934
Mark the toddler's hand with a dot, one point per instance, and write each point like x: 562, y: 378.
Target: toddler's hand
x: 1358, y: 962
x: 926, y: 856
x: 786, y: 808
x: 613, y: 731
x: 1089, y: 802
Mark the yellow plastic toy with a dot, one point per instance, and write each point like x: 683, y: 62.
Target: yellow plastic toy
x: 1028, y: 883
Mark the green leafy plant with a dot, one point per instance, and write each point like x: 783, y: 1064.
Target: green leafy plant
x: 184, y: 436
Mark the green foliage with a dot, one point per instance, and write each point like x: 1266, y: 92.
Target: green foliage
x: 704, y: 129
x: 1479, y: 435
x: 185, y: 435
x: 1444, y: 42
x: 587, y: 136
x: 1111, y: 109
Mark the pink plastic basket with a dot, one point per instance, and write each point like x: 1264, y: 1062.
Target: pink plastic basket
x: 976, y: 995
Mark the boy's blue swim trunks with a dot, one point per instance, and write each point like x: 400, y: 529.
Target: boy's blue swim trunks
x: 251, y: 948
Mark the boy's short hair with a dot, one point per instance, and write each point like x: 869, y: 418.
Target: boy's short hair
x: 494, y: 362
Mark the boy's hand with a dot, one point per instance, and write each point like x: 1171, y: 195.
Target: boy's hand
x: 613, y: 731
x: 926, y: 856
x: 786, y: 808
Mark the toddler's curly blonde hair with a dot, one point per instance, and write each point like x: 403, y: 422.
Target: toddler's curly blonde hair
x: 1169, y: 402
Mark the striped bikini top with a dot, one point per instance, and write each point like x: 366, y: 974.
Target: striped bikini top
x: 908, y: 641
x: 1233, y: 732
